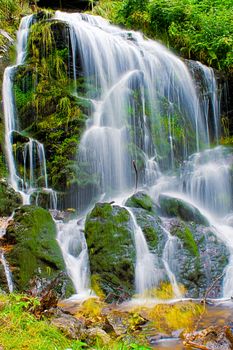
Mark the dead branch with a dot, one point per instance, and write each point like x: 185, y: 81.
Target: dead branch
x: 195, y: 345
x: 136, y: 175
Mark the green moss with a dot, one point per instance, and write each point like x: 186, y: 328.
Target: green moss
x: 140, y: 200
x: 111, y: 249
x: 35, y: 250
x: 186, y: 236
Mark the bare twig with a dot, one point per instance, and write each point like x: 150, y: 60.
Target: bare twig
x: 205, y: 298
x: 136, y: 175
x: 189, y: 342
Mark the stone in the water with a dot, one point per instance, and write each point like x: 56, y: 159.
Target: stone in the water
x: 141, y: 200
x: 176, y: 207
x: 9, y: 199
x: 213, y: 338
x: 111, y: 249
x: 35, y: 251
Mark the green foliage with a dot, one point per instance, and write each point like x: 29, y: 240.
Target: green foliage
x: 200, y: 30
x: 10, y: 14
x: 188, y: 241
x: 21, y: 330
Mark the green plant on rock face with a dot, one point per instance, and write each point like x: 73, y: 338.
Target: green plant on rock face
x: 41, y: 40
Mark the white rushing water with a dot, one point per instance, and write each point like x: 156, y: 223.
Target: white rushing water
x: 3, y: 260
x: 132, y: 78
x: 7, y: 272
x: 147, y: 272
x: 74, y: 249
x: 168, y: 261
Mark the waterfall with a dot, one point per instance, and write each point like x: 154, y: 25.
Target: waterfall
x: 33, y: 153
x: 137, y: 85
x: 146, y: 112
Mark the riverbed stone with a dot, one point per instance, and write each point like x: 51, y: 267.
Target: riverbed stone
x: 199, y: 258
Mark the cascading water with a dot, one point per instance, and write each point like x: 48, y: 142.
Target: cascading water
x: 168, y: 260
x: 206, y: 178
x: 146, y: 111
x: 33, y: 154
x: 74, y: 249
x: 3, y: 261
x: 135, y: 83
x: 147, y: 272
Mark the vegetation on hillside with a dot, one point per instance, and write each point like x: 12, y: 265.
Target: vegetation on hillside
x: 197, y: 29
x: 10, y: 15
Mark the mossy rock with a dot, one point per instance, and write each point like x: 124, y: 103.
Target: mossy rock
x: 9, y: 199
x: 176, y: 207
x: 35, y: 251
x: 199, y: 258
x: 141, y: 200
x: 111, y: 248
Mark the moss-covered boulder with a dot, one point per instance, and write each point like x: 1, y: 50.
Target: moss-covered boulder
x: 199, y: 257
x: 35, y: 251
x: 111, y: 248
x: 141, y: 200
x: 176, y: 207
x: 145, y: 211
x: 9, y: 199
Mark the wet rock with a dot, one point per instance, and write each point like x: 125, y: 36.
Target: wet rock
x: 199, y: 257
x: 176, y: 207
x: 97, y: 334
x: 65, y: 215
x: 147, y: 218
x: 9, y: 199
x: 70, y: 326
x: 213, y: 338
x: 18, y: 138
x: 122, y: 322
x: 110, y: 243
x: 141, y: 200
x: 35, y: 252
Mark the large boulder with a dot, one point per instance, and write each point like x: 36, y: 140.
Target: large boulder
x: 199, y: 257
x: 111, y: 248
x: 9, y: 199
x: 35, y: 252
x: 176, y: 207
